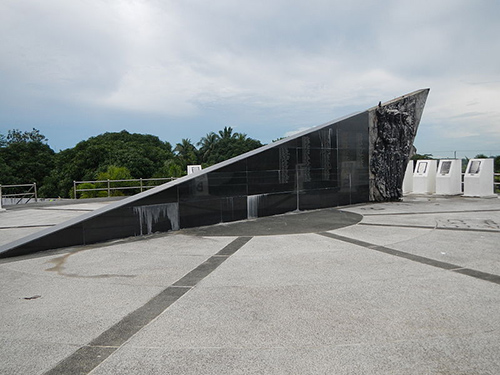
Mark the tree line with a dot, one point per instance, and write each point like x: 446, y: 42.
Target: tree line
x: 26, y: 157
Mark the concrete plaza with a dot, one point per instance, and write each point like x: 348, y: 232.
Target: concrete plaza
x: 409, y: 287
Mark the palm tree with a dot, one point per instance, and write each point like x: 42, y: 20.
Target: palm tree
x: 241, y: 137
x: 186, y: 153
x: 183, y: 148
x: 227, y: 133
x: 207, y: 145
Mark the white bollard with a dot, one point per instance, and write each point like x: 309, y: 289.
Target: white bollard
x: 424, y: 177
x: 478, y: 179
x: 408, y: 179
x: 449, y: 177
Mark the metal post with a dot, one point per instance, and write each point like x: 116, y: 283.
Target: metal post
x: 109, y: 190
x: 141, y: 184
x: 74, y: 189
x: 36, y: 195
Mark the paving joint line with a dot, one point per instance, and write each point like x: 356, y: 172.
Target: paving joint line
x: 417, y: 258
x: 89, y: 356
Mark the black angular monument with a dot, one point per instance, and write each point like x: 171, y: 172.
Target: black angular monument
x: 358, y: 158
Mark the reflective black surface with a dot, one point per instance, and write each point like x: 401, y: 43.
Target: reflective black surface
x: 327, y: 166
x: 324, y: 168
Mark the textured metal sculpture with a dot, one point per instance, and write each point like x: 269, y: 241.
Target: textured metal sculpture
x: 393, y: 128
x: 355, y: 159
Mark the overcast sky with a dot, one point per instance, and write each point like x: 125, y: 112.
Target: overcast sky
x: 180, y: 69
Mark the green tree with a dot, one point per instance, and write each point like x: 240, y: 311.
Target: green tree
x: 207, y: 146
x: 142, y: 154
x: 85, y: 194
x: 25, y: 158
x: 217, y: 147
x: 18, y: 136
x: 170, y: 168
x: 227, y: 133
x: 186, y: 153
x: 114, y: 173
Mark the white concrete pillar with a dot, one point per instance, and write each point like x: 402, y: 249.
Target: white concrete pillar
x: 449, y: 177
x: 424, y: 177
x: 478, y: 179
x: 408, y: 179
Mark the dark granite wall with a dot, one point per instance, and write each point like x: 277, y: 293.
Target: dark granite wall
x: 359, y: 158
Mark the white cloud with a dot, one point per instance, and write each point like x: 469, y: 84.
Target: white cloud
x: 289, y: 61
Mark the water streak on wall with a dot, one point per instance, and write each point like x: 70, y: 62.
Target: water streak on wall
x: 253, y: 206
x: 152, y: 214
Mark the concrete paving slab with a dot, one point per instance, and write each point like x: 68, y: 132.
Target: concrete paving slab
x: 19, y: 221
x: 476, y: 250
x: 386, y: 302
x: 79, y: 206
x: 22, y: 357
x: 462, y: 220
x: 451, y: 212
x: 275, y: 298
x: 60, y: 302
x: 426, y: 204
x: 156, y: 260
x: 42, y: 307
x: 36, y: 217
x: 304, y: 260
x: 382, y: 235
x: 344, y: 301
x: 11, y: 234
x: 479, y: 251
x: 438, y: 355
x: 465, y: 232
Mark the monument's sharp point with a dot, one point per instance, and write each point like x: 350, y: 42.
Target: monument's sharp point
x: 358, y: 158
